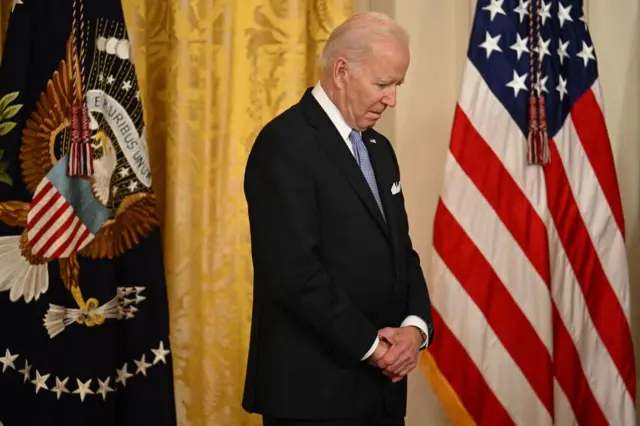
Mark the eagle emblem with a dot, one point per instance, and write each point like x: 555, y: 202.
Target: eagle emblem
x: 98, y: 217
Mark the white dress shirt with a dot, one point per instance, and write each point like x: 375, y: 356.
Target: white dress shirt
x: 344, y: 129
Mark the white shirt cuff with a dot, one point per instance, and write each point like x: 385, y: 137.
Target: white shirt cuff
x: 416, y: 321
x: 372, y: 350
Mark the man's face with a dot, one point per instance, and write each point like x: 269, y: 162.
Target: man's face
x: 371, y: 87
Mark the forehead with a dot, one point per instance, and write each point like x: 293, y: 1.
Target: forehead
x: 387, y: 60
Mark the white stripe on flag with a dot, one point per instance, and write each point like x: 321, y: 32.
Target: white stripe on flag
x: 500, y: 372
x: 34, y: 210
x: 49, y: 235
x: 595, y: 211
x: 493, y: 239
x: 602, y: 375
x: 42, y: 221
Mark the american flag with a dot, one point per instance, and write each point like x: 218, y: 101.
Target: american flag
x: 529, y: 275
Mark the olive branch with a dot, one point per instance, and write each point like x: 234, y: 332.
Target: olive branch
x: 7, y: 111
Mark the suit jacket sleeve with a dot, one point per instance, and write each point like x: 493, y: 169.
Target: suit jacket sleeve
x: 418, y: 300
x: 285, y: 230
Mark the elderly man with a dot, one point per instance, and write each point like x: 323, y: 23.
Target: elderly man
x: 341, y: 307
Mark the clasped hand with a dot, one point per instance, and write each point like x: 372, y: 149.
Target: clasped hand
x: 397, y: 352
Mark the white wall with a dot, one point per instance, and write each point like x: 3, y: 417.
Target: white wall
x: 421, y: 123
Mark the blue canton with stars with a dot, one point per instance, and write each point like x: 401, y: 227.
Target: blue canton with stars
x: 499, y: 49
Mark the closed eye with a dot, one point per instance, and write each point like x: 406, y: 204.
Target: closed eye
x: 385, y: 85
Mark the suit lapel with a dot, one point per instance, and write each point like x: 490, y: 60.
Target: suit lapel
x: 337, y: 149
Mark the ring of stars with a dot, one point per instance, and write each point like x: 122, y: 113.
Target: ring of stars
x: 82, y: 388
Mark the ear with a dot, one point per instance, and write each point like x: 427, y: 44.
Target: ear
x: 340, y: 71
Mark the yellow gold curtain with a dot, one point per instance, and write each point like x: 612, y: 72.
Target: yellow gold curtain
x: 212, y: 72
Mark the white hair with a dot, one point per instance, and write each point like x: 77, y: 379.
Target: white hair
x: 355, y: 37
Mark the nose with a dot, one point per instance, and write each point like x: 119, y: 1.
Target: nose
x: 389, y: 98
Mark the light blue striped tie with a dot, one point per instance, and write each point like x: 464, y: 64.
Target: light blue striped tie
x: 362, y: 157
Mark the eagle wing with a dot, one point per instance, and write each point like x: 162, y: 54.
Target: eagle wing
x: 134, y: 220
x: 51, y: 116
x: 14, y: 213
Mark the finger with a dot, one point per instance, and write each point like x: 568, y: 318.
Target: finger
x: 391, y: 357
x: 405, y: 361
x: 405, y: 356
x: 399, y: 366
x: 388, y: 333
x: 403, y: 373
x: 396, y: 379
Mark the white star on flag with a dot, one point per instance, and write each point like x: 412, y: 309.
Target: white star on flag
x: 545, y: 11
x: 545, y: 48
x: 542, y: 83
x: 562, y: 88
x: 522, y: 10
x: 520, y: 46
x: 491, y: 44
x: 586, y: 53
x: 494, y: 8
x: 564, y: 14
x: 562, y: 51
x: 517, y: 83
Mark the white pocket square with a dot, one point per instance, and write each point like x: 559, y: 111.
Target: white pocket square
x: 396, y: 188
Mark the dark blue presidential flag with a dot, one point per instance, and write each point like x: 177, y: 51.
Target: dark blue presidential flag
x: 84, y: 327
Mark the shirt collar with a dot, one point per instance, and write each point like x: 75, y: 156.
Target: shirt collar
x: 332, y: 111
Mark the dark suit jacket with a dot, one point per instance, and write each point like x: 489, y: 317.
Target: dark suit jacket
x: 328, y: 271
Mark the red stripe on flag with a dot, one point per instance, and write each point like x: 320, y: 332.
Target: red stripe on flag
x: 63, y: 247
x: 465, y: 378
x: 39, y: 195
x: 568, y: 371
x: 602, y: 303
x: 590, y: 125
x: 43, y: 210
x: 478, y: 278
x: 58, y: 234
x: 47, y: 225
x: 493, y: 180
x: 86, y: 234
